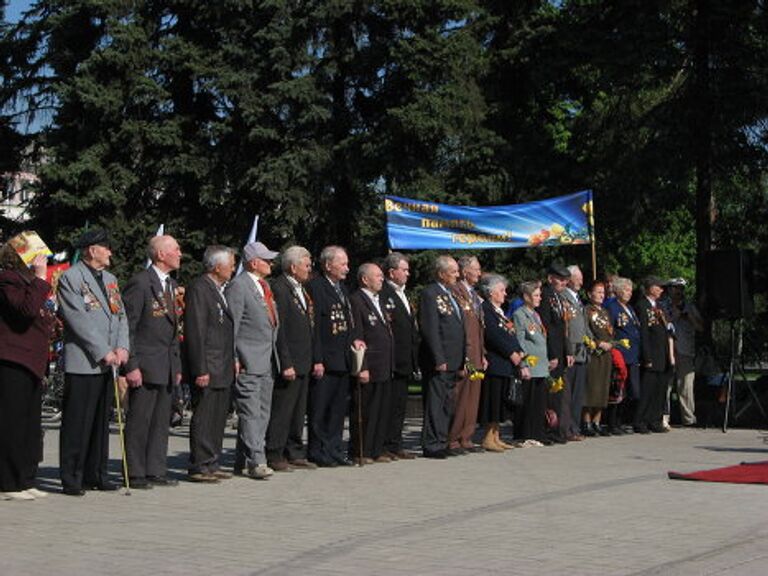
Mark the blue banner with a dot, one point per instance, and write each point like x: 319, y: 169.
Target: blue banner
x: 423, y: 225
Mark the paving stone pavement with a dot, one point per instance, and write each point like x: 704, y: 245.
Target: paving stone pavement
x: 603, y: 506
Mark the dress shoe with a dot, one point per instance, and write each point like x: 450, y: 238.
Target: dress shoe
x: 546, y: 442
x: 203, y: 477
x: 403, y: 455
x: 162, y: 481
x: 641, y: 429
x: 362, y: 461
x: 326, y: 464
x: 574, y: 438
x: 260, y: 472
x: 341, y: 461
x: 474, y: 449
x: 140, y: 484
x: 36, y: 493
x: 559, y: 440
x: 587, y: 431
x: 436, y: 454
x: 601, y: 430
x: 19, y: 495
x: 106, y: 486
x: 391, y: 455
x: 616, y: 431
x: 658, y: 428
x: 281, y: 466
x: 72, y: 491
x: 302, y: 464
x: 383, y: 459
x: 220, y: 474
x: 456, y: 452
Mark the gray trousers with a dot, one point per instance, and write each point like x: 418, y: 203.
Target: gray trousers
x: 253, y: 400
x: 438, y: 410
x: 146, y: 430
x: 684, y: 378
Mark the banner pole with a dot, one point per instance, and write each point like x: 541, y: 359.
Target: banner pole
x: 594, y: 259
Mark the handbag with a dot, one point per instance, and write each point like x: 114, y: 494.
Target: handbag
x: 514, y: 395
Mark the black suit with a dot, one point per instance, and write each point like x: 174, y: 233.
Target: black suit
x: 552, y: 311
x: 209, y: 335
x: 442, y: 332
x: 153, y: 329
x: 405, y: 331
x: 654, y: 362
x: 329, y: 396
x: 370, y: 401
x: 295, y: 349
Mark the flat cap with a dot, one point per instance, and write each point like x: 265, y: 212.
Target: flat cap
x: 258, y: 250
x: 95, y: 236
x: 649, y: 281
x: 558, y: 269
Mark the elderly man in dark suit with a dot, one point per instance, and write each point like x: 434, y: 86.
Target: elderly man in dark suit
x: 555, y: 315
x: 329, y: 394
x: 401, y: 316
x: 209, y: 338
x: 256, y: 321
x: 443, y: 351
x: 96, y: 341
x: 154, y: 365
x: 285, y: 446
x: 369, y: 415
x: 656, y: 358
x: 467, y: 389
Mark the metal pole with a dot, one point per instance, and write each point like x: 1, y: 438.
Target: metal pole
x: 120, y: 430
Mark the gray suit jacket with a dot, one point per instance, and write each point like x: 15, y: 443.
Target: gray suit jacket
x: 255, y: 337
x: 93, y: 324
x: 577, y: 326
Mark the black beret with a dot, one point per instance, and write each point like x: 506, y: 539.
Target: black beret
x: 91, y: 237
x: 557, y: 269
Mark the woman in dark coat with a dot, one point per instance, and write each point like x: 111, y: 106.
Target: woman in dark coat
x: 600, y: 364
x: 504, y: 354
x: 26, y: 322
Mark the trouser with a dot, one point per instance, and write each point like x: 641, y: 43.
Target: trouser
x: 650, y: 408
x: 286, y: 421
x: 146, y: 430
x: 685, y: 376
x: 576, y: 379
x: 206, y: 430
x: 465, y: 412
x: 20, y: 429
x: 438, y: 410
x: 253, y: 400
x: 84, y: 437
x: 328, y: 403
x: 398, y: 405
x: 531, y: 418
x: 370, y: 404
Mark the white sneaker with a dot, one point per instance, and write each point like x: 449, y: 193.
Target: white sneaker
x: 16, y: 495
x: 36, y: 493
x: 260, y: 472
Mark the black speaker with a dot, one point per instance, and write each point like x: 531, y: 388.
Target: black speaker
x: 729, y: 285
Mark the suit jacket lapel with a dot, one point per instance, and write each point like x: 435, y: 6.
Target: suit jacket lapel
x: 90, y: 280
x: 158, y: 294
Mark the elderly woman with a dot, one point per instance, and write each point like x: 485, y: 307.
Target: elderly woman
x: 600, y: 364
x: 626, y: 325
x: 533, y: 338
x: 26, y: 324
x: 504, y: 354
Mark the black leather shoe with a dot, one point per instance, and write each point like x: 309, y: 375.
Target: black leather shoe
x: 103, y: 486
x: 72, y: 491
x: 326, y: 463
x: 588, y: 431
x: 616, y: 431
x: 161, y: 481
x: 436, y: 454
x: 601, y: 430
x: 456, y: 452
x: 658, y: 428
x: 641, y: 429
x: 344, y: 461
x: 140, y: 484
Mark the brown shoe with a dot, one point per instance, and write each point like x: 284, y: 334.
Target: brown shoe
x: 574, y: 438
x: 281, y: 466
x: 403, y: 455
x: 221, y: 475
x: 203, y: 477
x: 303, y: 464
x: 363, y: 461
x: 391, y: 456
x: 383, y: 459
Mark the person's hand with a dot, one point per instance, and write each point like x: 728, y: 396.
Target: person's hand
x: 40, y: 266
x: 364, y: 377
x: 318, y: 370
x: 515, y: 357
x: 178, y: 378
x: 237, y: 367
x: 203, y: 380
x: 605, y: 346
x: 525, y: 373
x: 359, y: 345
x: 110, y: 359
x: 485, y: 363
x: 134, y: 378
x: 122, y: 355
x: 569, y: 360
x: 553, y: 364
x: 289, y: 374
x: 441, y: 367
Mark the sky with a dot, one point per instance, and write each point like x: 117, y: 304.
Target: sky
x: 14, y: 9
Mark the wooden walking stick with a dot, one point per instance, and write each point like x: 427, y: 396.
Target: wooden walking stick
x: 120, y: 430
x: 360, y: 422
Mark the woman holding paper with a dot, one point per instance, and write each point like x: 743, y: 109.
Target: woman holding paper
x: 26, y: 322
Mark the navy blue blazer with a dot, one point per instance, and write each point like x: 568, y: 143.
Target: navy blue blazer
x: 500, y: 342
x: 626, y: 325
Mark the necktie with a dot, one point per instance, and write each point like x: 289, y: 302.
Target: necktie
x: 269, y: 301
x: 168, y: 295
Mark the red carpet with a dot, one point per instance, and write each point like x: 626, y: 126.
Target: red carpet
x: 744, y: 473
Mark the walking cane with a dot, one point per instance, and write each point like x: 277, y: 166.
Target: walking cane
x: 360, y: 423
x: 120, y: 430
